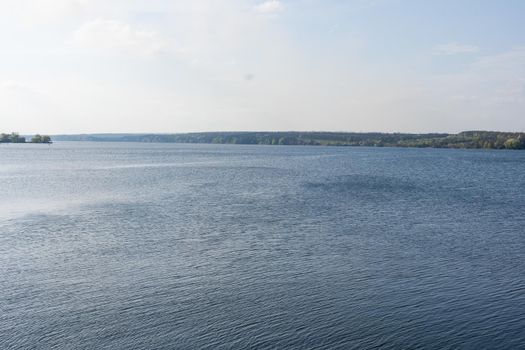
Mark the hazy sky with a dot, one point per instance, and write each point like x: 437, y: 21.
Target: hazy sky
x: 74, y: 66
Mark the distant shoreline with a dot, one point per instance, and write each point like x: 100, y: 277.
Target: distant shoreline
x: 466, y: 139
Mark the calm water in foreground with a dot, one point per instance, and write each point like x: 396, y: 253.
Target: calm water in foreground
x: 154, y: 246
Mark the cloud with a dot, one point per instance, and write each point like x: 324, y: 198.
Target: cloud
x: 270, y: 6
x: 115, y: 35
x: 454, y: 49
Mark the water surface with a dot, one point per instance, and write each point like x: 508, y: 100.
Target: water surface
x: 162, y: 246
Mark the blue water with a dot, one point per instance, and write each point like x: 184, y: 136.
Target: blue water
x: 165, y: 246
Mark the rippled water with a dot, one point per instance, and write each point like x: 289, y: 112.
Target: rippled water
x: 151, y: 246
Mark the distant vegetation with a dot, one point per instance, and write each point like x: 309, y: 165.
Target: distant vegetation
x: 41, y: 139
x: 12, y: 138
x: 16, y: 138
x: 466, y: 139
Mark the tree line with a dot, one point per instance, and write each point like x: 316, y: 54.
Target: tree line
x: 466, y: 139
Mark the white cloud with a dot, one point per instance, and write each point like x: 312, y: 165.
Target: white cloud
x: 454, y: 49
x: 116, y: 35
x: 270, y: 6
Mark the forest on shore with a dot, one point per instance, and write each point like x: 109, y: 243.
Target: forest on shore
x: 466, y: 139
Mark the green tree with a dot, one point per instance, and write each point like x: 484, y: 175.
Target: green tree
x: 14, y: 137
x: 512, y: 144
x: 36, y: 139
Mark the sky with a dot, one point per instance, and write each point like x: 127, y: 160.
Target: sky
x: 167, y: 66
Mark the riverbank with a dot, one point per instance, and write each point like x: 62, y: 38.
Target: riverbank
x: 466, y: 139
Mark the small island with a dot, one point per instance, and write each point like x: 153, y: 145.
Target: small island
x: 16, y: 138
